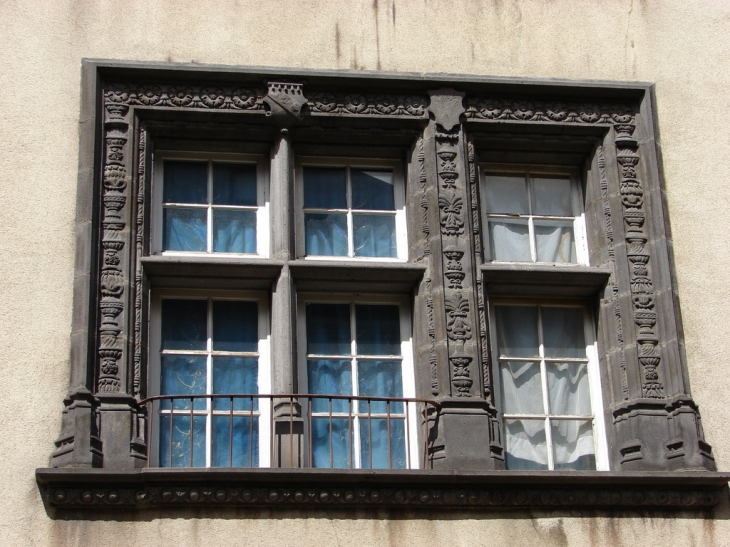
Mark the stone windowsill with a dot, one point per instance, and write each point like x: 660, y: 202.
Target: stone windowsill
x: 98, y: 489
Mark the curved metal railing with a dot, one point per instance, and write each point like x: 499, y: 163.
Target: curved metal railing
x: 289, y: 430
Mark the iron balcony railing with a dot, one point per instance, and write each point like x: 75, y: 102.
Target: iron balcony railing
x: 289, y: 430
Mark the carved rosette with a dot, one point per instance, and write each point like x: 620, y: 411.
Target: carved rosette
x: 642, y: 294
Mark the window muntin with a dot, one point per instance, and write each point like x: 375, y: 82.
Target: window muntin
x: 549, y: 387
x: 209, y: 343
x: 361, y: 347
x: 533, y: 215
x: 351, y: 209
x: 210, y: 204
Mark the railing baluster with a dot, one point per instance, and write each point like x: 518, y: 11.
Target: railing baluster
x: 408, y: 435
x: 309, y: 419
x: 390, y: 456
x: 291, y: 432
x: 191, y: 430
x: 370, y: 436
x: 230, y: 432
x: 250, y: 434
x: 350, y: 431
x: 332, y: 461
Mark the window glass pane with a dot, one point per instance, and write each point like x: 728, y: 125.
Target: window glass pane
x: 325, y: 187
x: 517, y: 331
x: 372, y: 190
x: 245, y: 449
x: 184, y: 324
x: 328, y: 329
x: 568, y: 388
x: 183, y: 375
x: 510, y: 241
x: 234, y: 231
x: 563, y: 334
x: 374, y: 444
x: 381, y: 379
x: 185, y: 182
x: 507, y: 194
x: 526, y: 444
x: 329, y: 377
x: 552, y: 197
x: 375, y: 235
x: 234, y: 183
x: 521, y: 388
x: 555, y: 243
x: 378, y: 329
x: 331, y: 446
x: 325, y: 235
x: 185, y: 230
x: 573, y: 444
x: 235, y: 376
x: 235, y: 325
x: 175, y: 450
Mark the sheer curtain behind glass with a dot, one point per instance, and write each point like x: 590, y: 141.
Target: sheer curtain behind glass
x: 543, y: 369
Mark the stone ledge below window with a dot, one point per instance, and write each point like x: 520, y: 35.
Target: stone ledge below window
x: 527, y: 279
x: 101, y: 489
x: 355, y: 275
x: 213, y: 272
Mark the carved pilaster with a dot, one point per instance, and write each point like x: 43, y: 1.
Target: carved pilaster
x: 453, y: 269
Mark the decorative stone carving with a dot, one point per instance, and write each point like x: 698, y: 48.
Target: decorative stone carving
x: 373, y: 104
x: 502, y: 108
x: 645, y: 317
x: 452, y: 224
x: 502, y: 494
x: 285, y: 102
x: 118, y: 96
x: 446, y: 106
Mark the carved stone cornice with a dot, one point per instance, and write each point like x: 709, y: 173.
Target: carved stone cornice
x: 94, y: 490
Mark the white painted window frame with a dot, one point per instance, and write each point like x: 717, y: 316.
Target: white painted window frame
x: 261, y: 207
x: 530, y: 172
x: 353, y: 163
x: 263, y: 354
x: 406, y: 358
x: 594, y: 373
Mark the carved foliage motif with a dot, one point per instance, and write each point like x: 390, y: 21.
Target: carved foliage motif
x: 372, y: 104
x: 644, y: 314
x: 118, y: 96
x: 498, y: 108
x: 452, y: 223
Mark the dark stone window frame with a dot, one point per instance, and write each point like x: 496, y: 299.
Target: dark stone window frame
x: 446, y: 125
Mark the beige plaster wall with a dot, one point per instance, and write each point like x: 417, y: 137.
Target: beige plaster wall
x: 681, y: 45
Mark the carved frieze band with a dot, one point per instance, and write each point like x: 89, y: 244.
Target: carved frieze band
x: 183, y: 96
x: 642, y: 291
x: 502, y: 495
x: 373, y: 104
x: 501, y: 108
